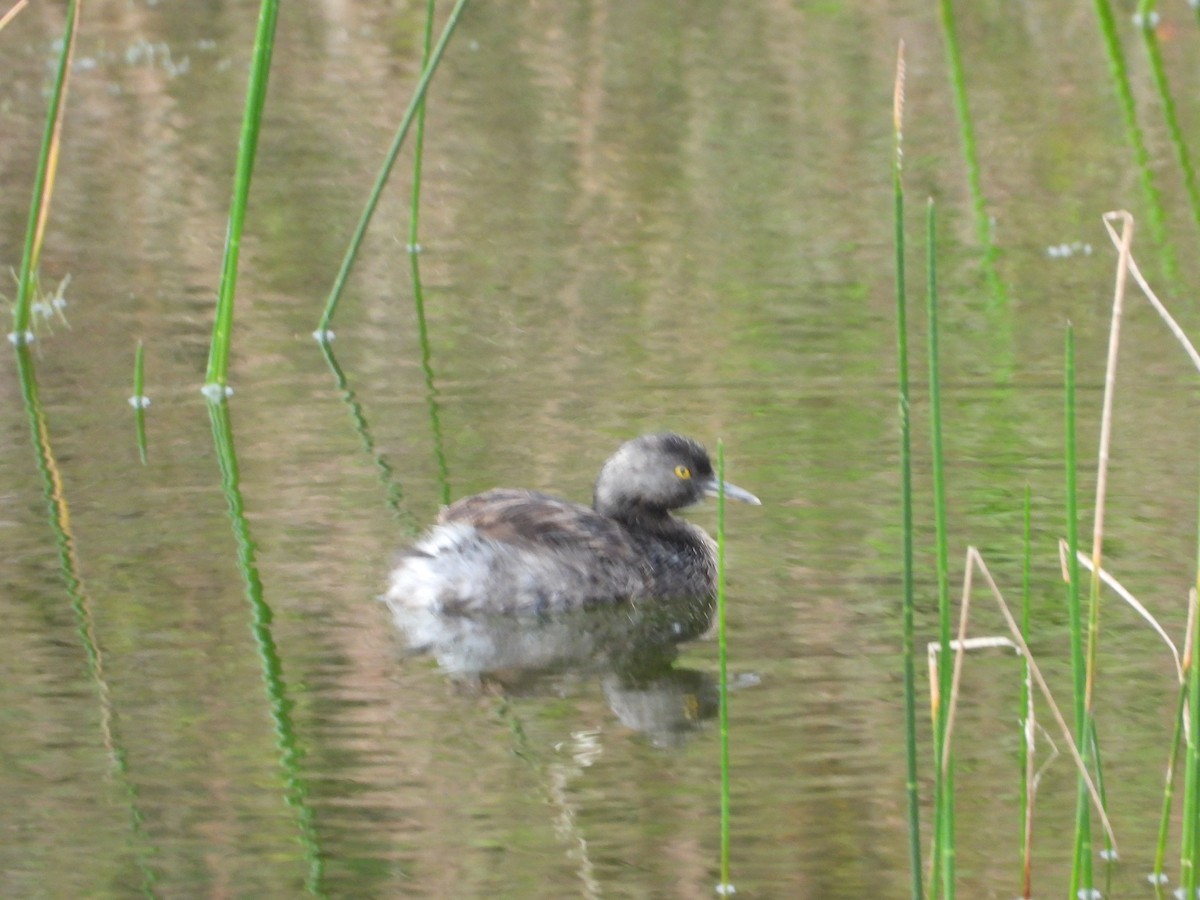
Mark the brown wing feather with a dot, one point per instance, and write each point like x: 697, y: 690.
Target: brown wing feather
x: 528, y: 517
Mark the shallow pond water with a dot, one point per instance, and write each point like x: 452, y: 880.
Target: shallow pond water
x: 635, y: 217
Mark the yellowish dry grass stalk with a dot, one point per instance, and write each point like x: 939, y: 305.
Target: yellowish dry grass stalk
x: 1110, y: 383
x: 975, y: 563
x: 1136, y: 274
x: 11, y: 14
x: 1125, y: 595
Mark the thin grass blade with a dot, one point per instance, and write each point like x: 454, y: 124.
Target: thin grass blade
x: 943, y: 826
x: 217, y: 376
x: 43, y: 182
x: 726, y: 886
x: 1027, y: 744
x: 966, y: 128
x: 360, y: 231
x: 906, y: 518
x: 1137, y: 142
x: 1081, y: 868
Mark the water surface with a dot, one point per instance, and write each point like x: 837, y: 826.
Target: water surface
x: 636, y: 216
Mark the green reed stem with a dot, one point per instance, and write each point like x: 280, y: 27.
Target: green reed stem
x: 43, y: 180
x: 1081, y: 869
x: 139, y: 401
x: 950, y: 851
x: 139, y: 371
x: 414, y: 248
x: 966, y: 130
x: 385, y: 170
x: 1141, y: 156
x: 51, y: 474
x: 1097, y: 762
x: 414, y: 244
x: 394, y: 492
x: 908, y: 601
x: 296, y: 791
x: 944, y: 850
x: 1170, y: 117
x: 1025, y: 755
x: 256, y: 96
x: 726, y: 885
x: 1164, y: 822
x: 1189, y: 857
x: 1189, y: 869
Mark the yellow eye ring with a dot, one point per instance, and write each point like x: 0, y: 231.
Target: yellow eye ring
x: 683, y: 472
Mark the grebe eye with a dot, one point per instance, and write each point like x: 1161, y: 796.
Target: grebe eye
x: 683, y: 472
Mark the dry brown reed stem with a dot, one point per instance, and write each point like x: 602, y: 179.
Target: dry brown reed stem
x: 1110, y: 383
x: 934, y: 649
x: 8, y: 16
x: 960, y: 648
x: 974, y: 559
x: 961, y: 645
x: 1125, y: 595
x: 1136, y: 273
x: 1110, y: 379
